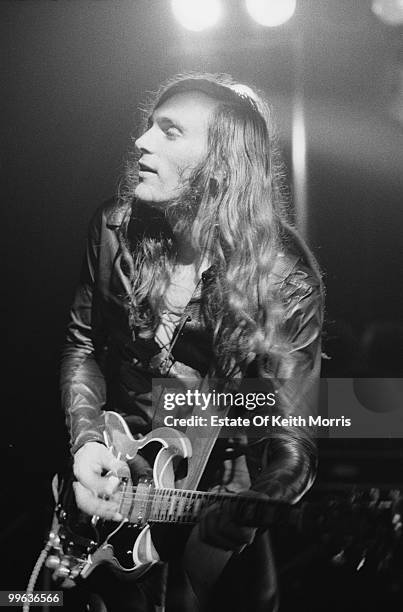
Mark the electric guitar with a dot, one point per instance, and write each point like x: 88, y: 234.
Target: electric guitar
x: 356, y: 528
x: 79, y: 543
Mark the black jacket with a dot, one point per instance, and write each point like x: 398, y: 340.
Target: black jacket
x: 103, y: 368
x: 99, y: 347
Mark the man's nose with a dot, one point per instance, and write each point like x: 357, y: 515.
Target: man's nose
x: 143, y: 143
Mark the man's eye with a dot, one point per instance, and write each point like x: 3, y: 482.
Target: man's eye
x: 172, y: 132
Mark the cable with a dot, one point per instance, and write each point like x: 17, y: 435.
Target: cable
x: 35, y: 573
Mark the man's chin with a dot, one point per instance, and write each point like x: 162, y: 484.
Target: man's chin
x: 146, y: 194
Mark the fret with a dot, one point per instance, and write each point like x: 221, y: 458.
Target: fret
x: 191, y: 511
x: 168, y: 502
x: 197, y: 505
x: 200, y: 501
x: 162, y: 508
x: 181, y: 506
x: 172, y: 505
x: 157, y: 504
x: 187, y: 505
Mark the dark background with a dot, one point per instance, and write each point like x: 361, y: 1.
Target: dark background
x: 74, y: 74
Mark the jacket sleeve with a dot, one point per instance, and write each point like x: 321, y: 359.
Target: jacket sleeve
x: 289, y: 459
x: 83, y: 389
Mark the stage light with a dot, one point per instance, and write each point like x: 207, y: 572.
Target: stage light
x: 197, y: 15
x: 271, y: 13
x: 389, y: 11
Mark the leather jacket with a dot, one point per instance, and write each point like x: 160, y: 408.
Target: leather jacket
x: 100, y: 354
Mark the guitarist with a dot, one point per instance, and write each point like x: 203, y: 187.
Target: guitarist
x: 193, y: 271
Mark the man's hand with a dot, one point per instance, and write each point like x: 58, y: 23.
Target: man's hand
x: 98, y: 475
x: 218, y: 528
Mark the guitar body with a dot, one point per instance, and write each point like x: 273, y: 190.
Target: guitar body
x: 80, y: 543
x: 362, y: 524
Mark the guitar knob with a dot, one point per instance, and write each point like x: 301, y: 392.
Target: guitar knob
x: 62, y: 572
x: 54, y: 539
x: 52, y: 562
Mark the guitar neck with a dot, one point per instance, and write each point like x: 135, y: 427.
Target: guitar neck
x: 184, y: 507
x: 181, y: 506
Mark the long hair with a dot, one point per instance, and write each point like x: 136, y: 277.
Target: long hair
x: 234, y: 204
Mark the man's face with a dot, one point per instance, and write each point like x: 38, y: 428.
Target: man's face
x: 173, y: 146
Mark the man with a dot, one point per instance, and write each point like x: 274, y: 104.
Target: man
x: 193, y: 273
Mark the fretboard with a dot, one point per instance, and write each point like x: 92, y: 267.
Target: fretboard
x: 142, y: 504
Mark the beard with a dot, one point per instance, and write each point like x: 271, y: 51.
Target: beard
x: 182, y: 212
x: 169, y: 225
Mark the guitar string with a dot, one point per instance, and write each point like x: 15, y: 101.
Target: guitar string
x: 128, y: 495
x: 213, y: 497
x: 177, y: 493
x: 172, y: 502
x: 170, y: 513
x: 132, y: 489
x: 182, y: 505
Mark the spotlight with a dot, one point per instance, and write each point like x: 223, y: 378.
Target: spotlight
x: 197, y: 15
x: 389, y: 11
x: 271, y: 13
